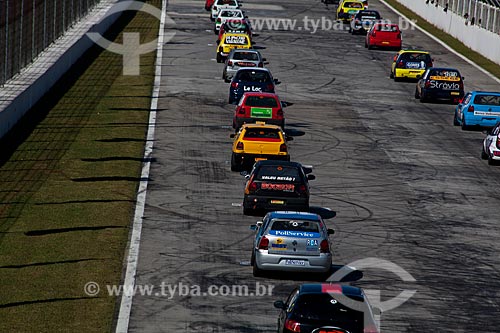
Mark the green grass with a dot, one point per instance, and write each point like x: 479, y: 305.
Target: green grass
x: 454, y: 43
x: 68, y: 180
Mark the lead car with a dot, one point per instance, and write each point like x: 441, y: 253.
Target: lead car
x: 291, y: 241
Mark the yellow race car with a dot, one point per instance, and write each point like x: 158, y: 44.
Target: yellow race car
x: 348, y: 9
x: 256, y: 142
x: 231, y: 41
x: 410, y: 64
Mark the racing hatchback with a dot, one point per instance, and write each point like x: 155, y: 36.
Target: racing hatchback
x: 363, y: 21
x: 238, y: 58
x: 277, y: 185
x: 491, y: 145
x: 291, y: 241
x: 231, y: 41
x: 256, y: 142
x: 257, y: 106
x: 410, y: 64
x: 227, y: 14
x: 440, y: 83
x: 250, y: 79
x: 478, y: 108
x: 218, y: 5
x: 348, y: 9
x: 326, y: 308
x: 384, y: 35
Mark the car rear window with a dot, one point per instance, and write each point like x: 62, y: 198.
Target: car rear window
x: 444, y: 75
x: 226, y: 2
x: 295, y: 225
x: 262, y: 134
x: 230, y: 13
x: 417, y: 57
x: 325, y: 308
x: 253, y: 76
x: 278, y: 173
x: 245, y: 56
x: 387, y: 28
x: 487, y: 100
x: 368, y: 15
x: 353, y: 5
x: 261, y: 101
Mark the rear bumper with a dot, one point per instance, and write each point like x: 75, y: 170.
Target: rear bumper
x: 408, y: 73
x: 239, y: 121
x: 443, y: 94
x: 255, y: 202
x: 388, y: 44
x: 277, y: 262
x: 486, y: 121
x: 249, y: 159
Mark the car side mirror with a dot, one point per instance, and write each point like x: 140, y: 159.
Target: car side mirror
x: 463, y: 78
x: 311, y: 177
x: 227, y: 80
x: 253, y: 227
x: 232, y: 136
x: 244, y: 173
x: 330, y: 231
x: 279, y: 305
x: 265, y: 62
x: 276, y: 81
x: 259, y: 223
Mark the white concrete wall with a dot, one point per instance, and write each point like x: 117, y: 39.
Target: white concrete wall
x: 23, y: 91
x: 480, y: 40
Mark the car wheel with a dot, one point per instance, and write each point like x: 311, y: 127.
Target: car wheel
x: 423, y: 98
x: 484, y: 156
x: 234, y: 163
x: 455, y: 120
x: 257, y: 272
x: 218, y: 58
x: 491, y: 161
x: 391, y: 76
x: 417, y: 96
x: 370, y: 47
x: 366, y: 44
x: 212, y: 18
x: 252, y: 260
x: 464, y: 125
x: 396, y: 79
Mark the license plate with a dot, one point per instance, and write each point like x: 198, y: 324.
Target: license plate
x: 455, y: 93
x: 278, y: 202
x: 295, y: 262
x: 260, y: 159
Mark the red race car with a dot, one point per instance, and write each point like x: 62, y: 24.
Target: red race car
x: 384, y: 35
x: 208, y: 4
x: 259, y: 106
x: 236, y: 27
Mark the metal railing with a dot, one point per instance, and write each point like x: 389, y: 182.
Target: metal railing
x: 483, y: 13
x: 27, y: 27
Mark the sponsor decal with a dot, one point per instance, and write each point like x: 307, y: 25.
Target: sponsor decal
x: 486, y: 113
x: 252, y: 88
x: 278, y: 187
x: 312, y: 242
x: 241, y: 40
x: 261, y: 112
x: 278, y: 246
x: 297, y: 234
x: 444, y: 85
x: 285, y: 178
x: 415, y: 65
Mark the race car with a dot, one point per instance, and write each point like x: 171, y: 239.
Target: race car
x: 256, y: 142
x: 227, y: 14
x: 491, y: 145
x: 220, y: 4
x: 363, y: 21
x: 235, y: 27
x: 410, y: 64
x: 478, y: 108
x: 258, y: 106
x: 440, y: 83
x: 239, y: 58
x: 208, y: 4
x: 348, y: 9
x: 231, y: 41
x: 251, y: 79
x: 384, y: 35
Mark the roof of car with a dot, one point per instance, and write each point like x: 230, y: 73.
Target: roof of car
x: 275, y: 162
x: 320, y: 288
x: 294, y: 215
x: 254, y: 69
x: 260, y: 125
x: 443, y: 68
x: 413, y: 51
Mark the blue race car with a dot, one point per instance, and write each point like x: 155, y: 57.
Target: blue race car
x: 478, y: 108
x: 251, y: 79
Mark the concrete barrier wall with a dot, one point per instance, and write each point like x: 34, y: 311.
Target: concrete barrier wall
x: 478, y: 39
x: 23, y: 91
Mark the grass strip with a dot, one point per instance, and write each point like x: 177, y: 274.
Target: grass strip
x: 68, y: 178
x: 451, y: 41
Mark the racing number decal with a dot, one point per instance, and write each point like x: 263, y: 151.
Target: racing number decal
x: 240, y: 40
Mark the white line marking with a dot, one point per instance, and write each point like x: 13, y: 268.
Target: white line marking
x: 446, y: 46
x: 135, y: 238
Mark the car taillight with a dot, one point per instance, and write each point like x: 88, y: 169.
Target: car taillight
x: 280, y: 113
x: 270, y: 87
x: 229, y: 63
x: 292, y: 325
x: 221, y: 49
x: 242, y: 110
x: 218, y: 20
x: 427, y: 84
x: 401, y: 64
x: 261, y: 64
x: 398, y: 36
x: 429, y: 64
x: 252, y: 187
x: 341, y: 11
x: 323, y: 246
x: 373, y: 33
x: 240, y: 146
x: 302, y: 189
x: 234, y: 85
x: 470, y: 108
x: 283, y: 148
x: 264, y: 243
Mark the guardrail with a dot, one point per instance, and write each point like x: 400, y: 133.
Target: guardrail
x: 483, y: 13
x: 27, y: 27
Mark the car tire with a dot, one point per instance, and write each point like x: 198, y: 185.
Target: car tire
x: 235, y: 166
x: 218, y: 58
x: 396, y: 79
x: 491, y: 161
x: 366, y: 45
x: 455, y: 120
x: 484, y: 156
x: 465, y: 127
x: 370, y: 47
x: 252, y: 260
x: 423, y: 98
x: 256, y: 271
x: 417, y: 96
x: 391, y: 75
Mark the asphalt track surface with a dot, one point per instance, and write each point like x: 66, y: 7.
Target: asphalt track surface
x: 407, y: 186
